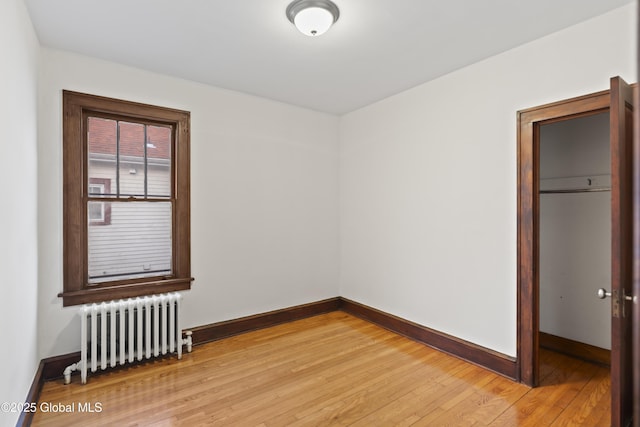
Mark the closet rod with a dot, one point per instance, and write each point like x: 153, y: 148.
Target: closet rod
x: 583, y: 190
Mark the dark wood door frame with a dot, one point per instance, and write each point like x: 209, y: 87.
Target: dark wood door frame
x: 529, y: 122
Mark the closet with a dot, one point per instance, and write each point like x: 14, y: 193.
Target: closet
x: 575, y: 236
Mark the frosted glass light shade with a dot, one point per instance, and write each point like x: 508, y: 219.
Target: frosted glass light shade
x: 313, y: 17
x: 313, y: 21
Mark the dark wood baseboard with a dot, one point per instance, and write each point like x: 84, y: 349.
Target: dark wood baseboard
x: 220, y: 330
x: 53, y: 367
x: 32, y: 397
x: 483, y: 357
x: 49, y: 369
x: 579, y: 350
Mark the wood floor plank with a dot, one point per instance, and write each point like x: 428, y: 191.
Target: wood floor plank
x: 338, y: 385
x: 591, y: 404
x: 421, y: 400
x: 559, y: 394
x: 332, y: 369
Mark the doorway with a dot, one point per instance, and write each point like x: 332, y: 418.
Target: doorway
x: 619, y: 101
x: 575, y: 236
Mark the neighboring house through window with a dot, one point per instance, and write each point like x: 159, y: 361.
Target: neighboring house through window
x: 126, y: 199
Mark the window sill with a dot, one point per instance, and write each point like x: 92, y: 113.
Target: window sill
x: 97, y: 295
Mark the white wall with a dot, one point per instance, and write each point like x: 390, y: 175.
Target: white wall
x: 575, y: 232
x: 264, y: 195
x: 18, y: 220
x: 428, y: 181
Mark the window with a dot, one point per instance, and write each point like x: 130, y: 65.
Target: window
x: 96, y: 210
x: 99, y: 212
x: 126, y: 199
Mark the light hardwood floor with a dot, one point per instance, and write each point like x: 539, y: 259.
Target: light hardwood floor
x: 332, y: 369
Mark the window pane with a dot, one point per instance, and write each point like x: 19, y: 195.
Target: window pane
x: 96, y: 211
x: 96, y: 189
x: 101, y: 138
x: 159, y: 161
x: 131, y: 159
x: 136, y: 243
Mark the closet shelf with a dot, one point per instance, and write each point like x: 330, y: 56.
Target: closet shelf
x: 576, y: 184
x: 581, y: 190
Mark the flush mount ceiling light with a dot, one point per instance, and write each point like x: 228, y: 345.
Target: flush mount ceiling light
x: 313, y: 17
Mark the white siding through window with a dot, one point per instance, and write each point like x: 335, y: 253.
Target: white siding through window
x: 137, y: 242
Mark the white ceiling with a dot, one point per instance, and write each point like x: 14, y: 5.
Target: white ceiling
x: 376, y: 49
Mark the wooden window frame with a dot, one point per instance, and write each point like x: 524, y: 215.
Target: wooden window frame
x: 76, y: 288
